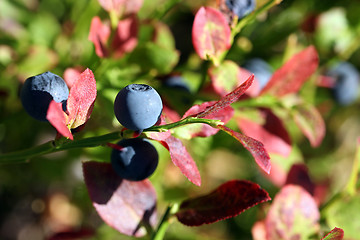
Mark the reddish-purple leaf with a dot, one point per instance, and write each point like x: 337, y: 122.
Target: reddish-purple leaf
x: 99, y: 34
x: 292, y: 215
x: 125, y: 39
x: 170, y: 115
x: 228, y: 75
x: 226, y: 101
x: 121, y: 7
x: 182, y: 159
x: 124, y: 205
x: 293, y: 74
x: 272, y: 133
x: 81, y: 99
x: 228, y: 200
x: 299, y: 175
x: 335, y: 234
x: 211, y: 35
x: 73, y: 234
x: 58, y: 119
x: 255, y: 147
x: 310, y: 122
x: 223, y: 114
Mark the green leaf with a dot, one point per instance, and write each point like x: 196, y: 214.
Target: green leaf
x: 153, y: 57
x: 343, y: 213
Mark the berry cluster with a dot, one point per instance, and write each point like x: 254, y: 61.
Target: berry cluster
x: 137, y: 107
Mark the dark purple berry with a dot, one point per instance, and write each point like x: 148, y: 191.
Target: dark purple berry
x: 38, y: 91
x: 136, y: 160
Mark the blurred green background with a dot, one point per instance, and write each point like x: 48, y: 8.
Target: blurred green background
x: 48, y: 194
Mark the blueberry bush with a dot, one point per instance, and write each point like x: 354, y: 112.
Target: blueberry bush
x: 169, y: 119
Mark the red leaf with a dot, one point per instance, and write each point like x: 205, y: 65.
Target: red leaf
x: 125, y: 39
x: 99, y: 34
x: 81, y: 99
x: 71, y: 75
x: 293, y: 74
x: 123, y: 205
x: 292, y: 215
x: 182, y: 159
x: 73, y: 234
x: 227, y: 100
x: 272, y: 133
x: 310, y: 122
x: 170, y: 115
x: 255, y: 147
x: 335, y: 234
x: 121, y: 7
x: 224, y: 115
x: 58, y: 119
x: 211, y: 34
x: 228, y: 75
x: 299, y: 175
x: 159, y: 136
x: 228, y: 200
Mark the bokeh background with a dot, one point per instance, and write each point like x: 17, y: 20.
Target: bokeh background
x: 48, y: 195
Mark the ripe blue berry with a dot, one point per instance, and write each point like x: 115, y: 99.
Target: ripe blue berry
x: 138, y: 106
x: 261, y: 70
x: 347, y: 83
x: 136, y: 160
x: 241, y: 7
x: 38, y: 91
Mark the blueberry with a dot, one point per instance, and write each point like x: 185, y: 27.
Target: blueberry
x: 138, y: 106
x: 347, y: 78
x: 38, y: 91
x: 136, y: 160
x: 177, y: 82
x: 261, y: 69
x: 241, y: 7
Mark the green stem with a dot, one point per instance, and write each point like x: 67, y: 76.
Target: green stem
x: 55, y: 146
x: 184, y: 121
x: 246, y: 20
x: 164, y: 223
x: 61, y: 145
x: 251, y: 17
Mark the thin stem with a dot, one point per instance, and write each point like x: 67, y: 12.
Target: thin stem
x: 164, y: 223
x: 55, y: 146
x: 61, y: 144
x: 251, y: 17
x: 246, y: 20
